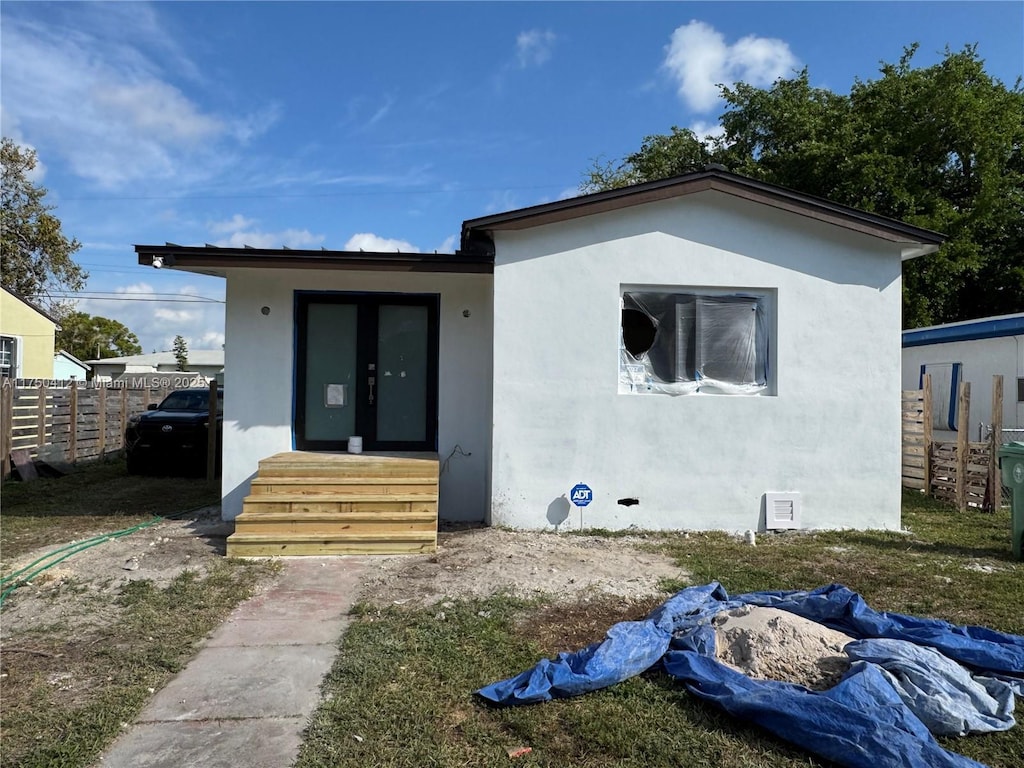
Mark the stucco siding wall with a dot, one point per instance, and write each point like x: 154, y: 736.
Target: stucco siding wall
x: 35, y: 337
x: 260, y: 359
x: 980, y: 360
x: 830, y: 429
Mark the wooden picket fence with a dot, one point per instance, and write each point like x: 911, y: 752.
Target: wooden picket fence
x: 82, y: 421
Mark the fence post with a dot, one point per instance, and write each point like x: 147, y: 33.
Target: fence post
x: 926, y: 415
x: 73, y: 424
x: 211, y: 435
x: 102, y: 394
x: 124, y: 418
x: 41, y: 418
x: 963, y: 407
x: 6, y: 425
x: 995, y: 491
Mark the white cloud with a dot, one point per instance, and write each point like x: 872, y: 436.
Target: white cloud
x: 234, y: 224
x: 96, y: 85
x: 157, y: 315
x: 286, y: 238
x: 534, y: 47
x: 367, y: 241
x: 700, y: 60
x: 239, y: 231
x: 707, y: 132
x: 449, y: 244
x: 156, y: 109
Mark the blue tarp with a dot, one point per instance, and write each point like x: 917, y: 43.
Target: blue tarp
x: 878, y: 715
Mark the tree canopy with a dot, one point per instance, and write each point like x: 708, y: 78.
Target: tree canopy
x: 90, y: 337
x: 35, y: 255
x: 939, y: 147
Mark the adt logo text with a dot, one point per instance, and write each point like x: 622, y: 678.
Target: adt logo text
x: 581, y: 495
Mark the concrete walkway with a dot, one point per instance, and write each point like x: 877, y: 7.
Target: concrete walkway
x: 246, y: 696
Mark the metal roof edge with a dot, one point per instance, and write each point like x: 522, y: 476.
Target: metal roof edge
x: 184, y: 257
x: 713, y: 178
x: 967, y: 330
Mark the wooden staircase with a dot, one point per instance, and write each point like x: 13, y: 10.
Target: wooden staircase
x: 304, y: 503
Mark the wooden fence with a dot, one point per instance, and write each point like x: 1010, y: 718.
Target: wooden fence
x: 81, y: 421
x: 962, y: 472
x: 917, y: 436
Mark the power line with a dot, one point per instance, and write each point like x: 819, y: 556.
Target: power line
x: 185, y: 298
x: 156, y: 301
x: 301, y: 195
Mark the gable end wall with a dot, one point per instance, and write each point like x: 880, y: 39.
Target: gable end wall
x: 830, y: 430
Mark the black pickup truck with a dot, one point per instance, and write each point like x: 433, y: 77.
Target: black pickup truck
x: 172, y: 438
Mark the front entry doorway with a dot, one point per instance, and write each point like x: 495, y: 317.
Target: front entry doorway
x: 366, y: 365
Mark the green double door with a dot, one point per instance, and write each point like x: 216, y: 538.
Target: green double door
x: 366, y: 365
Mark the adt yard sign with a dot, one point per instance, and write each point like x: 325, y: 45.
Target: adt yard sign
x: 581, y: 495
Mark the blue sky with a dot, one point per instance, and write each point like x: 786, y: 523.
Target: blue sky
x: 384, y: 125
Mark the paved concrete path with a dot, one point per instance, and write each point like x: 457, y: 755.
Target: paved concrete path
x: 247, y: 695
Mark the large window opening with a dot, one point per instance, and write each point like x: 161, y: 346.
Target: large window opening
x: 688, y: 342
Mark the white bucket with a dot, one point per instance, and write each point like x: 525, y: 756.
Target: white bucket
x: 355, y: 444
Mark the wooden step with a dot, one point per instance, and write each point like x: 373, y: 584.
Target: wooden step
x: 313, y: 524
x: 306, y: 503
x: 359, y: 515
x: 305, y: 464
x: 348, y: 498
x: 369, y: 505
x: 258, y: 545
x: 261, y: 486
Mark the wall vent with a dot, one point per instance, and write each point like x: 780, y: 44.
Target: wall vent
x: 781, y: 511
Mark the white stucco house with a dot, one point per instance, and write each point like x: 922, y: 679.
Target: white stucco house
x: 203, y: 365
x: 686, y: 348
x: 972, y: 351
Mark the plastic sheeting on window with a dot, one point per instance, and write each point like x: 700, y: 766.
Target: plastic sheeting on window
x: 713, y: 344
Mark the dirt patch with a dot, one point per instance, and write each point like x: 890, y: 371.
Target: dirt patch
x: 66, y: 593
x: 480, y: 562
x: 571, y: 626
x: 770, y: 644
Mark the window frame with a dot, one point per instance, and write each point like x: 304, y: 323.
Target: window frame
x: 12, y: 369
x: 638, y: 374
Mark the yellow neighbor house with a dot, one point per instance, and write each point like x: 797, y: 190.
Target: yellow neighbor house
x: 26, y: 339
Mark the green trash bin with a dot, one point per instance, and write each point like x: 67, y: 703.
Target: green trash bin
x: 1011, y: 463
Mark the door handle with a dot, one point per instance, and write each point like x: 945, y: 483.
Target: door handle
x: 371, y: 381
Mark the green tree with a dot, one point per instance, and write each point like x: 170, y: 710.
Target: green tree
x: 659, y: 157
x: 35, y: 255
x: 90, y: 337
x: 939, y: 147
x: 181, y: 353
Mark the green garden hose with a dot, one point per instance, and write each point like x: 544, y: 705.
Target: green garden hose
x: 12, y: 581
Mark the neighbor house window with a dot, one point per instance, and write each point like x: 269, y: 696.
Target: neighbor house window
x: 8, y: 357
x: 687, y: 342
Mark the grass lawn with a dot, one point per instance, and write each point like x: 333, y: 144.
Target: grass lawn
x: 69, y: 686
x: 95, y: 498
x: 401, y: 691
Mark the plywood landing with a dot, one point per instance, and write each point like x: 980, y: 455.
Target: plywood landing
x: 305, y: 503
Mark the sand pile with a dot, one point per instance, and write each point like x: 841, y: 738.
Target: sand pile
x: 770, y: 644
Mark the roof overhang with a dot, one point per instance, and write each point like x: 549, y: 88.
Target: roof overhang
x: 214, y: 260
x: 916, y: 241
